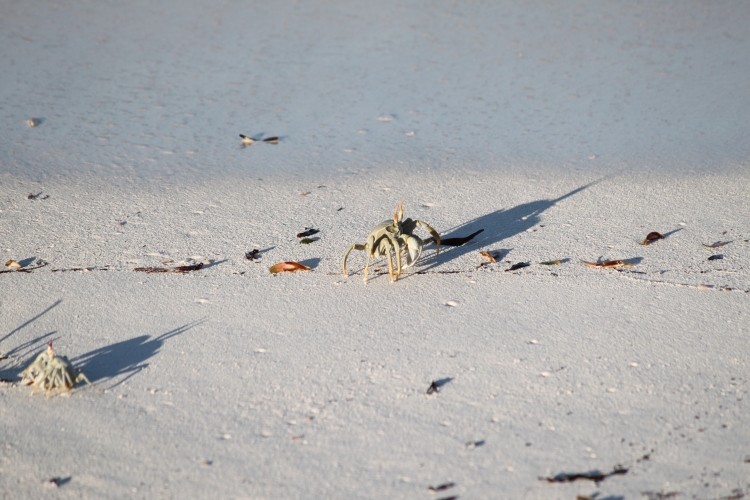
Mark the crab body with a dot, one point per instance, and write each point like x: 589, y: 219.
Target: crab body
x: 49, y: 371
x: 395, y: 235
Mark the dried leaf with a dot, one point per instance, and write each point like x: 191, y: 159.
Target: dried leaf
x: 13, y: 264
x: 271, y: 140
x: 309, y: 232
x: 288, y: 266
x: 178, y: 269
x: 550, y: 263
x: 433, y: 388
x: 255, y: 254
x: 716, y: 257
x: 442, y: 487
x: 307, y: 241
x: 457, y: 242
x: 305, y: 193
x: 652, y: 237
x: 520, y: 265
x: 489, y: 256
x: 717, y: 244
x: 608, y: 263
x: 595, y: 476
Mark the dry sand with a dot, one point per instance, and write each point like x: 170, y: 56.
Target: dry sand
x: 564, y: 132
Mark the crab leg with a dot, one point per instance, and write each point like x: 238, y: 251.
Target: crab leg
x: 376, y: 246
x: 434, y: 233
x: 353, y: 247
x: 396, y: 250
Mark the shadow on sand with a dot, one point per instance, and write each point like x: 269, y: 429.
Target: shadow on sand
x: 498, y: 226
x: 127, y: 357
x: 22, y: 355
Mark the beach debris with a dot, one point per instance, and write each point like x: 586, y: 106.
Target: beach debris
x: 307, y: 241
x: 433, y: 388
x: 305, y: 193
x: 608, y: 264
x: 33, y: 122
x: 716, y: 257
x: 658, y: 495
x: 50, y: 371
x: 489, y: 256
x: 308, y: 232
x: 246, y: 141
x: 451, y: 303
x: 392, y: 235
x: 177, y: 269
x: 13, y: 264
x: 474, y: 444
x: 340, y: 209
x: 652, y: 237
x: 593, y: 475
x: 442, y: 487
x: 519, y: 265
x: 457, y: 242
x: 717, y: 244
x: 551, y: 262
x: 32, y: 196
x: 288, y: 267
x: 253, y: 255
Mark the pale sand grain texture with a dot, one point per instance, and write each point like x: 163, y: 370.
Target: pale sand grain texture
x: 566, y: 132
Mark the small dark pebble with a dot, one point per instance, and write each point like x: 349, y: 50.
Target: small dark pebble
x: 716, y: 257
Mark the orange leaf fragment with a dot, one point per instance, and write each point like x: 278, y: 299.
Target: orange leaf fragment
x: 489, y: 256
x: 608, y: 263
x: 13, y: 264
x: 288, y: 266
x: 652, y: 237
x: 305, y: 193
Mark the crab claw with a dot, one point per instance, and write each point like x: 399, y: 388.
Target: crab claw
x: 398, y: 215
x: 413, y: 250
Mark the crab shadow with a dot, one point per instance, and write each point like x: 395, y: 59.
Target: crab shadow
x: 127, y: 357
x: 497, y: 226
x: 22, y: 355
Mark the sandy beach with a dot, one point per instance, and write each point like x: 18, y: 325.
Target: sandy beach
x: 553, y: 135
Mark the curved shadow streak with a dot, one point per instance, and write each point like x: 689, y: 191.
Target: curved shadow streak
x: 498, y: 225
x: 31, y: 321
x: 127, y: 357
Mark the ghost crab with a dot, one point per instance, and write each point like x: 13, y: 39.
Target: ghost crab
x: 50, y: 371
x: 393, y: 235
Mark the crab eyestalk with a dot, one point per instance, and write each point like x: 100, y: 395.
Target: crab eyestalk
x: 398, y: 215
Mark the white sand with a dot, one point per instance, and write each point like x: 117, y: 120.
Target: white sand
x: 564, y: 132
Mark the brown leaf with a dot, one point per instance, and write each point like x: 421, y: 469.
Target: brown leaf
x: 305, y: 193
x: 489, y: 256
x: 13, y: 264
x: 442, y: 487
x: 309, y: 232
x: 271, y: 140
x: 608, y: 263
x: 652, y: 237
x: 178, y: 269
x: 288, y: 266
x: 717, y: 244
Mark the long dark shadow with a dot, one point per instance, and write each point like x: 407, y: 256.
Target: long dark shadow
x: 498, y: 225
x: 32, y: 320
x: 127, y: 357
